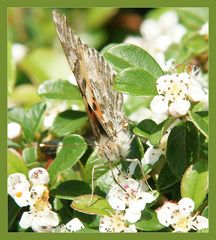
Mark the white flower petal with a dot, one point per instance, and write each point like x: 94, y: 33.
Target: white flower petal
x: 116, y: 198
x: 18, y: 188
x: 37, y: 227
x: 74, y: 225
x: 201, y: 222
x: 13, y: 130
x: 186, y: 206
x: 165, y: 214
x: 159, y: 104
x: 151, y: 156
x: 26, y: 220
x: 148, y: 197
x: 130, y: 229
x: 132, y: 216
x: 196, y: 93
x: 39, y: 176
x: 179, y: 108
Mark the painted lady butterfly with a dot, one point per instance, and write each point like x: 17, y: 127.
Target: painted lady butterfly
x: 95, y: 79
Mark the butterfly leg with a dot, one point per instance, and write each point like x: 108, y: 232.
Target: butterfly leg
x: 141, y: 168
x: 92, y: 181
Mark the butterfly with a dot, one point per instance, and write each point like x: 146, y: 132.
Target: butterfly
x: 95, y: 79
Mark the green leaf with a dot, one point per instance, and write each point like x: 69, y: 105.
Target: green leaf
x: 194, y: 183
x: 200, y: 122
x: 59, y: 89
x: 68, y: 122
x: 13, y: 211
x: 149, y: 221
x: 71, y: 189
x: 16, y: 115
x: 136, y: 150
x: 182, y: 147
x: 45, y: 63
x: 205, y: 212
x: 159, y: 131
x: 11, y: 69
x: 166, y: 178
x: 135, y: 81
x: 145, y: 128
x: 32, y: 120
x: 99, y: 165
x: 73, y: 149
x: 30, y: 155
x: 92, y: 205
x: 124, y: 56
x: 15, y: 163
x: 193, y: 18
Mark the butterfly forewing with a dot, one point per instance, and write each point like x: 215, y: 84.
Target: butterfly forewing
x: 95, y: 79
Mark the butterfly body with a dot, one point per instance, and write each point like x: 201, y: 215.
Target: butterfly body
x: 94, y: 77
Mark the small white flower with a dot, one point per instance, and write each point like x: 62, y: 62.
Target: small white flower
x: 18, y: 189
x: 180, y: 216
x: 13, y: 130
x: 40, y: 217
x: 74, y: 225
x: 116, y: 224
x: 18, y: 52
x: 39, y: 176
x: 39, y: 221
x: 132, y: 199
x: 175, y: 93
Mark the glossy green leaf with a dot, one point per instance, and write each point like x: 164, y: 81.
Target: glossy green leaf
x: 195, y: 183
x: 159, y: 131
x: 73, y: 149
x: 182, y: 147
x: 200, y: 122
x: 166, y: 178
x: 15, y: 163
x: 135, y: 81
x: 13, y: 211
x: 68, y: 122
x: 71, y: 189
x: 92, y: 205
x: 45, y: 63
x: 30, y: 155
x: 124, y: 56
x: 59, y: 89
x: 145, y: 128
x: 32, y: 120
x: 149, y: 221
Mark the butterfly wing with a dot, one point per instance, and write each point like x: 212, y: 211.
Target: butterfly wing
x: 95, y: 79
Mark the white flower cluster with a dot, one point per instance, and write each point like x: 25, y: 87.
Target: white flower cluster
x: 176, y: 92
x: 158, y: 35
x: 128, y: 203
x: 180, y: 216
x: 35, y: 194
